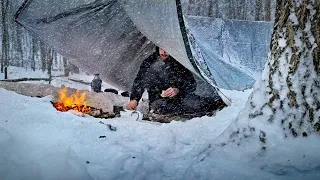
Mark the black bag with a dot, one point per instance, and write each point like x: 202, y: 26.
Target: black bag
x: 96, y: 83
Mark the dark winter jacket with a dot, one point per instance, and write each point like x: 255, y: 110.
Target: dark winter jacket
x: 156, y: 76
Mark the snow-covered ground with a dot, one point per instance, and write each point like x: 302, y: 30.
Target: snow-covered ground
x: 38, y: 142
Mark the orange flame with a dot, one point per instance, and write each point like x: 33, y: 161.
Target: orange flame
x: 76, y: 101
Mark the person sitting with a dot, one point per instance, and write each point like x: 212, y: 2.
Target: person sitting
x: 170, y: 87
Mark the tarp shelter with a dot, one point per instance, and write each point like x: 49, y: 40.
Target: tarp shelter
x: 113, y: 37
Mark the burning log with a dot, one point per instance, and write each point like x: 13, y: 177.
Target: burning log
x: 103, y: 105
x: 78, y: 102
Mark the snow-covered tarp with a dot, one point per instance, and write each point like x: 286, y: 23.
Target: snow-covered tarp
x: 103, y: 35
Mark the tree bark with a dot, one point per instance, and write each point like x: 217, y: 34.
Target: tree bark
x: 217, y: 9
x: 43, y: 56
x: 210, y: 8
x: 19, y: 44
x: 5, y: 38
x: 34, y: 54
x: 290, y: 84
x: 50, y: 62
x: 267, y: 10
x: 65, y: 67
x: 258, y: 11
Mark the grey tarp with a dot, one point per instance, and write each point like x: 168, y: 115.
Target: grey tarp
x: 112, y: 37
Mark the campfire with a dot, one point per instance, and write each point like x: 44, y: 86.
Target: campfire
x: 74, y: 102
x: 77, y: 103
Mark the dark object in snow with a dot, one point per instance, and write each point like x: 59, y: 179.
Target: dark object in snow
x: 190, y: 104
x: 117, y: 109
x: 87, y: 162
x: 99, y: 113
x: 112, y: 128
x: 125, y: 94
x: 167, y: 118
x: 102, y: 137
x: 135, y: 112
x: 111, y: 90
x: 96, y: 83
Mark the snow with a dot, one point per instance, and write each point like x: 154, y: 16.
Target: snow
x: 293, y: 19
x: 282, y: 42
x: 38, y: 142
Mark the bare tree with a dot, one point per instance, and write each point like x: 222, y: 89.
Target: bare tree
x: 43, y: 56
x: 290, y: 85
x: 5, y: 37
x: 267, y: 10
x: 258, y: 11
x: 65, y: 67
x: 217, y: 9
x: 210, y: 8
x: 19, y: 44
x: 49, y: 64
x: 34, y: 53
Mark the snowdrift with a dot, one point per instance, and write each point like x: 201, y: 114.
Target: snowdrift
x: 113, y: 37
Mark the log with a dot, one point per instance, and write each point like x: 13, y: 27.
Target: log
x: 80, y: 81
x: 26, y: 79
x: 103, y: 100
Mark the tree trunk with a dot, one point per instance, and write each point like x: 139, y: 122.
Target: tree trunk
x: 287, y: 97
x: 50, y: 62
x: 231, y: 10
x: 210, y: 8
x: 65, y: 67
x: 5, y: 38
x: 267, y: 10
x: 190, y: 6
x: 258, y: 11
x: 34, y: 53
x: 217, y: 9
x: 43, y: 56
x: 198, y: 9
x: 19, y: 45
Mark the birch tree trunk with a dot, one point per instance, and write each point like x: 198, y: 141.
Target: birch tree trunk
x: 286, y: 102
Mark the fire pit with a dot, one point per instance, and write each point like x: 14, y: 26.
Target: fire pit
x: 77, y: 102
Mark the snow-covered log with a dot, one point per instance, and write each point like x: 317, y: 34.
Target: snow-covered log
x: 104, y: 101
